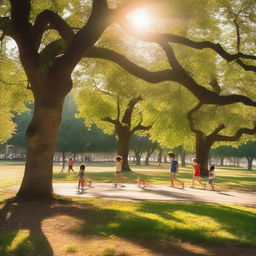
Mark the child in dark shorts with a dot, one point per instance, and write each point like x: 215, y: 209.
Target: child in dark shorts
x: 212, y: 176
x: 174, y: 169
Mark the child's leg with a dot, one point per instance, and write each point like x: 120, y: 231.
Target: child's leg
x: 88, y: 181
x: 193, y: 182
x: 213, y: 185
x: 116, y: 179
x: 181, y: 182
x: 203, y: 184
x: 72, y: 169
x: 171, y: 179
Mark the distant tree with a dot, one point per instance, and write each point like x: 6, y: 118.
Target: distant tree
x: 22, y: 121
x: 248, y: 150
x: 140, y: 145
x: 224, y: 151
x: 74, y: 137
x: 227, y: 120
x: 115, y: 104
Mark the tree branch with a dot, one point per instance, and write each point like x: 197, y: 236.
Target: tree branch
x: 122, y: 61
x: 163, y: 37
x: 104, y: 92
x: 22, y: 33
x: 238, y: 134
x: 140, y: 127
x: 110, y: 120
x: 216, y: 131
x: 238, y: 38
x: 118, y: 107
x: 179, y: 75
x: 87, y: 36
x: 129, y: 109
x: 204, y: 95
x: 50, y: 20
x: 190, y: 118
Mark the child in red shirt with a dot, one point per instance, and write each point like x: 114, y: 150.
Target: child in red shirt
x: 70, y: 165
x: 196, y: 174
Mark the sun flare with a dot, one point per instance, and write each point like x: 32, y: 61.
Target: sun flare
x: 140, y: 19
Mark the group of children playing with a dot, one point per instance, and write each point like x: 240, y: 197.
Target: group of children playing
x: 83, y: 181
x: 196, y: 174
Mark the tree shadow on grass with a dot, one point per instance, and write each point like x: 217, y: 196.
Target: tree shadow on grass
x: 239, y: 223
x: 134, y: 226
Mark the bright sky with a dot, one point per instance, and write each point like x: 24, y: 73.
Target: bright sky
x: 141, y: 19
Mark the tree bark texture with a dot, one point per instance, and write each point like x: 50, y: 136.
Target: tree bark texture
x: 249, y: 166
x: 123, y: 145
x: 202, y: 152
x: 138, y: 157
x: 41, y: 142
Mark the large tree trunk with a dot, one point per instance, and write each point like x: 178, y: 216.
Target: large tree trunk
x: 202, y: 153
x: 123, y: 145
x: 41, y: 142
x: 249, y: 166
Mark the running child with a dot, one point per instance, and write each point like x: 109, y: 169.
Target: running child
x: 174, y: 169
x: 212, y: 176
x: 70, y: 165
x: 118, y: 176
x: 196, y: 174
x: 82, y: 180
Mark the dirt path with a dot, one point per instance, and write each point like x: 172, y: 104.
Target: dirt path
x: 155, y: 193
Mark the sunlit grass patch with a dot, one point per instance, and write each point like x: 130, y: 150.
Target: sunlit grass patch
x: 70, y: 248
x: 193, y: 223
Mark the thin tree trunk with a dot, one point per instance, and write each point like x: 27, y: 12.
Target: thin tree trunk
x: 183, y: 158
x: 165, y: 159
x: 149, y: 153
x: 249, y: 166
x: 238, y: 162
x: 63, y: 161
x: 147, y: 157
x: 160, y: 155
x: 41, y: 142
x: 222, y: 161
x: 137, y: 157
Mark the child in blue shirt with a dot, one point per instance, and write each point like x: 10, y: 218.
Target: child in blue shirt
x: 174, y: 169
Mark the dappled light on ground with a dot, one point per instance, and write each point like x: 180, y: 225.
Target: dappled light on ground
x: 94, y: 227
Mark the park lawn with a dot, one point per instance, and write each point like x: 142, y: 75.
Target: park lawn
x: 96, y: 227
x: 227, y: 178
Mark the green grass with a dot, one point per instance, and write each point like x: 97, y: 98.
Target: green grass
x: 227, y: 178
x: 22, y: 243
x: 179, y: 222
x: 144, y: 223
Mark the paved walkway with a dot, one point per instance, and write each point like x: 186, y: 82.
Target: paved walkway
x: 155, y: 193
